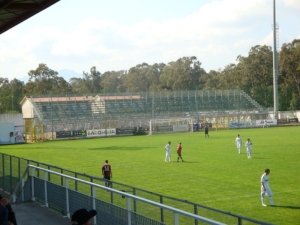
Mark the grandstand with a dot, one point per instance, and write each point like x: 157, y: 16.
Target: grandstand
x: 121, y: 110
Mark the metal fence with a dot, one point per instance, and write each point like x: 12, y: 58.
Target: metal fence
x: 64, y: 198
x: 12, y: 170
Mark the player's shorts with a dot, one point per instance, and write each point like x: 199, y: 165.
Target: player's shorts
x: 267, y: 192
x: 107, y: 178
x: 238, y: 145
x: 179, y: 153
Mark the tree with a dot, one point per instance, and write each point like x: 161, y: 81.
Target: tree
x: 230, y: 77
x: 212, y: 80
x: 257, y: 67
x: 112, y: 81
x: 92, y: 80
x: 256, y: 74
x: 11, y: 93
x: 136, y: 79
x: 295, y: 102
x: 44, y: 80
x: 153, y: 74
x: 143, y: 77
x: 290, y: 63
x: 78, y: 85
x: 183, y: 74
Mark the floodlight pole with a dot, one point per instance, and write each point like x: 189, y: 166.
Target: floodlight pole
x: 275, y: 66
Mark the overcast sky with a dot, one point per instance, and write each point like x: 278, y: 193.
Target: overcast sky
x: 119, y: 34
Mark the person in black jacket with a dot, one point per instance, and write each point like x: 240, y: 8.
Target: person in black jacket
x: 11, y: 216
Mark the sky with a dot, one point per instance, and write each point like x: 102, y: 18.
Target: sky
x: 75, y: 35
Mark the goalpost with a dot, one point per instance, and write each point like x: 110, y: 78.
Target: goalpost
x: 171, y: 125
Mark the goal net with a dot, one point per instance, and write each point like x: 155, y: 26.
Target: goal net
x: 158, y: 126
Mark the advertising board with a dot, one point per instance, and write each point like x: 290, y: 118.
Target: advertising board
x: 241, y: 124
x: 101, y: 132
x: 180, y: 128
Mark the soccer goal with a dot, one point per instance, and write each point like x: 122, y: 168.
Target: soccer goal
x: 158, y: 126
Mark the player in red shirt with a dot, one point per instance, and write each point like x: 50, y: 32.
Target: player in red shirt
x: 179, y: 148
x: 107, y: 173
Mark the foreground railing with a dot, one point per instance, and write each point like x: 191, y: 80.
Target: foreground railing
x: 35, y: 184
x: 12, y: 168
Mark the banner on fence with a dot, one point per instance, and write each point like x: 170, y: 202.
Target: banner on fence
x: 241, y: 124
x: 101, y: 132
x: 122, y: 131
x: 293, y: 120
x: 63, y: 134
x: 68, y: 133
x: 287, y: 121
x: 180, y: 128
x: 266, y: 122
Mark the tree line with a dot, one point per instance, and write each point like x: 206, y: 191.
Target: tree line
x: 252, y: 73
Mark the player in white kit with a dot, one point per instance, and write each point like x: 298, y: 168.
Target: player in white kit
x: 238, y: 142
x: 249, y: 148
x: 265, y: 188
x: 168, y: 151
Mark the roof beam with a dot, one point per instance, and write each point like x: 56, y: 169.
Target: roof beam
x: 23, y: 6
x: 27, y: 10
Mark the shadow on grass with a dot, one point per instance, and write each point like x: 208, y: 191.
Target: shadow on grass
x: 287, y: 206
x: 185, y: 161
x: 126, y: 148
x: 257, y: 158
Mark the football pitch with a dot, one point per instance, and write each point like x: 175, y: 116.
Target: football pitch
x: 213, y: 174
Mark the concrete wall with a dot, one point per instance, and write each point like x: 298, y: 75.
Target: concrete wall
x: 7, y: 133
x: 17, y: 119
x: 288, y: 114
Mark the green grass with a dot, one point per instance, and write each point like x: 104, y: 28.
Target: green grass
x: 214, y: 174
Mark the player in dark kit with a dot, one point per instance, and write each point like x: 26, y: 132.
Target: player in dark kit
x: 206, y: 131
x: 107, y: 173
x: 179, y: 148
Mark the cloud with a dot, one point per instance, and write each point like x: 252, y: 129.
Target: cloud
x: 243, y: 43
x: 267, y: 40
x: 292, y: 4
x: 220, y: 29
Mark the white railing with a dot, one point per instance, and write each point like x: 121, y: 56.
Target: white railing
x: 129, y: 198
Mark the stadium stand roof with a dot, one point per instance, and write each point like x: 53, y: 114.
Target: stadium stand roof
x: 14, y: 12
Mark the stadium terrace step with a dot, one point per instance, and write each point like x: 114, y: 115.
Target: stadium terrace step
x: 34, y: 213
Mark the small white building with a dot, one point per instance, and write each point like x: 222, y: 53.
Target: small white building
x: 7, y: 133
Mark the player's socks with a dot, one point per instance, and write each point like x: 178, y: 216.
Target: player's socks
x: 271, y: 201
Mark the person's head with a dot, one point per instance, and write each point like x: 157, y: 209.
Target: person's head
x: 267, y: 171
x: 3, y: 201
x: 106, y: 161
x: 238, y: 135
x: 179, y: 143
x: 248, y: 139
x: 83, y: 217
x: 169, y: 142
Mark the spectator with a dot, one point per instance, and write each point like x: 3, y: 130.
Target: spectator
x: 83, y: 217
x: 3, y: 211
x: 11, y: 212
